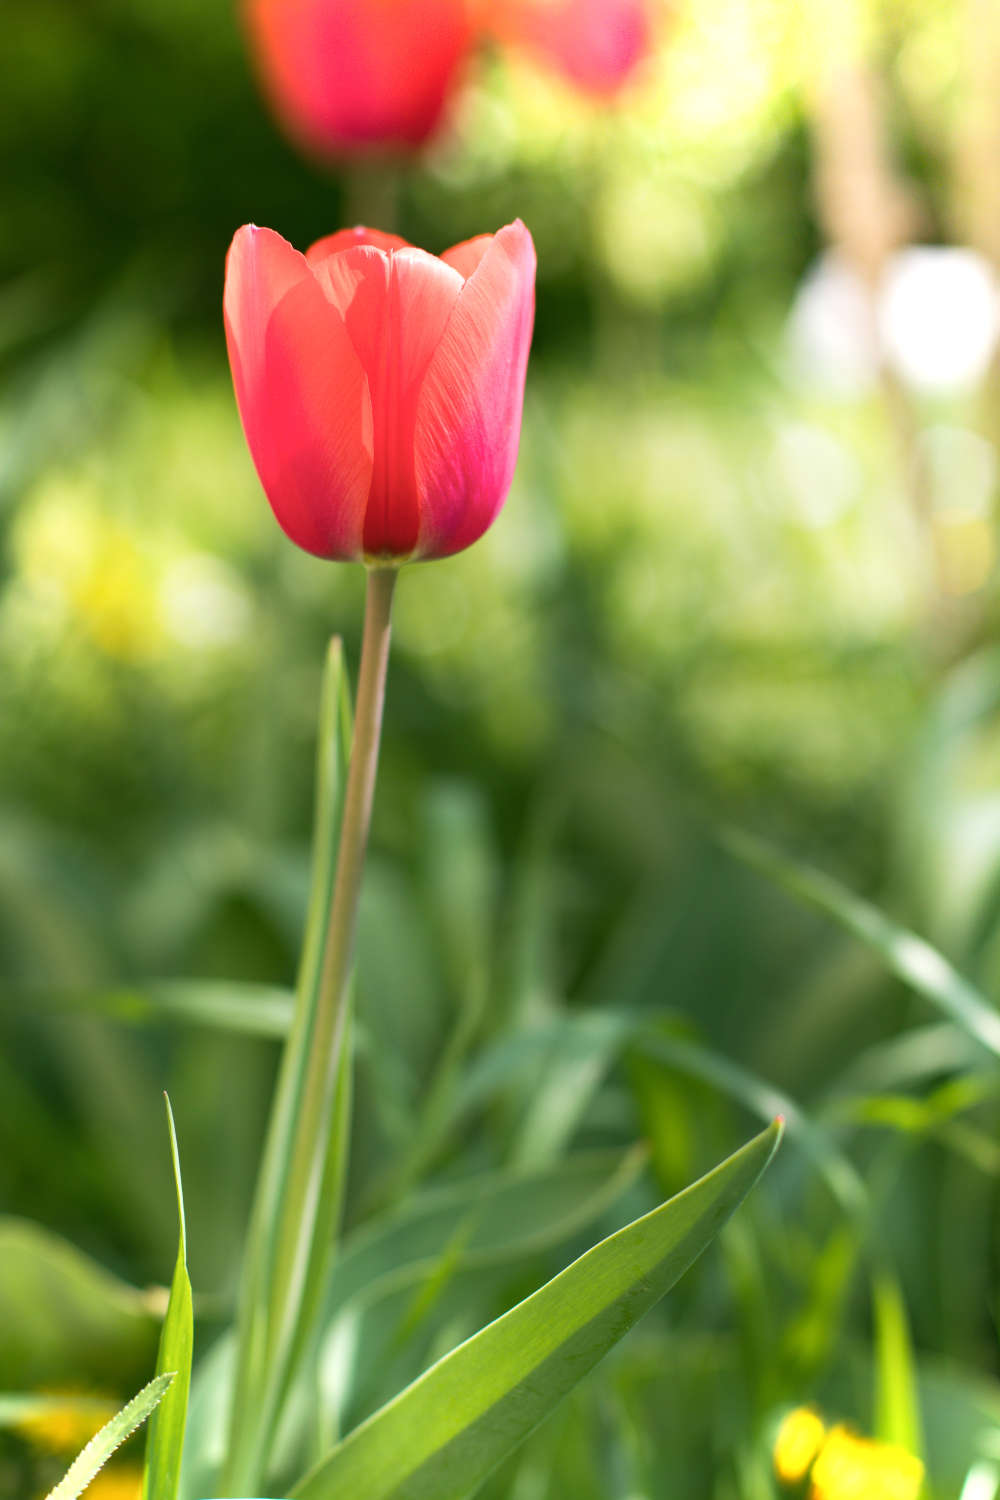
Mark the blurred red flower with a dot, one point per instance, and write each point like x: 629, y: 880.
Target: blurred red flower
x: 348, y: 74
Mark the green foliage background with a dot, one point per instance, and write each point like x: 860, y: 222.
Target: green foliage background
x: 703, y: 603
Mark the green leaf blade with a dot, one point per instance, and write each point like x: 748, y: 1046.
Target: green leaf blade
x: 897, y: 1400
x: 903, y: 953
x: 443, y: 1435
x: 296, y: 1214
x: 164, y: 1450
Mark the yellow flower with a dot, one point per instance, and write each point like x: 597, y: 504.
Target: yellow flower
x: 121, y: 1483
x: 840, y: 1464
x: 854, y: 1468
x: 65, y: 1420
x: 798, y: 1441
x: 88, y: 573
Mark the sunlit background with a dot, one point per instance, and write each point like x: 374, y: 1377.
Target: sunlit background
x: 747, y: 574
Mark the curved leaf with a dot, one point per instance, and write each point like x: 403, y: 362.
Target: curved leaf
x: 443, y: 1435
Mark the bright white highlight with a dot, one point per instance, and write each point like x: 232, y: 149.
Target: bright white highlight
x: 936, y: 320
x: 939, y: 317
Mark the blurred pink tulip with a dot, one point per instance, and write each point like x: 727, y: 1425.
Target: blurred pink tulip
x: 353, y: 75
x: 380, y: 387
x: 344, y: 75
x: 597, y: 45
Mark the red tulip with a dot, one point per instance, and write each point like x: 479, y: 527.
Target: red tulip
x: 596, y: 44
x: 349, y: 74
x: 380, y: 387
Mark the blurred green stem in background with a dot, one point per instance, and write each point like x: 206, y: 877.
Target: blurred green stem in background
x: 371, y: 194
x: 297, y: 1205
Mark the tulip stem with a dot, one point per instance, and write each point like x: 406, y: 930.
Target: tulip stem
x: 302, y: 1206
x: 296, y: 1214
x: 371, y: 195
x: 339, y: 953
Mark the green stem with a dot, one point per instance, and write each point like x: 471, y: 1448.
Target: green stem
x: 294, y: 1245
x: 371, y: 193
x: 291, y: 1237
x: 339, y: 953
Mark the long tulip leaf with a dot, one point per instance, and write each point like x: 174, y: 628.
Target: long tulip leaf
x: 445, y: 1433
x: 161, y: 1472
x: 92, y: 1459
x: 297, y: 1206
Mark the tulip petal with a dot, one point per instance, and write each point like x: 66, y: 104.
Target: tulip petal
x: 469, y: 410
x: 395, y: 307
x: 349, y: 239
x: 301, y: 392
x: 466, y: 256
x: 392, y: 304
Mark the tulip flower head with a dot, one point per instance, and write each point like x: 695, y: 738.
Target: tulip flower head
x: 380, y: 387
x: 345, y: 75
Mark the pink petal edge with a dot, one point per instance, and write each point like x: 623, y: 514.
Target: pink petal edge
x: 469, y: 410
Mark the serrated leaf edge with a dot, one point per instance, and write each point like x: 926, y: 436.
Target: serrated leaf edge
x: 84, y: 1469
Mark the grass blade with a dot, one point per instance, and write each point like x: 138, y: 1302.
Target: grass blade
x: 907, y: 956
x: 764, y: 1100
x: 92, y: 1459
x: 240, y: 1006
x: 164, y: 1449
x: 443, y: 1435
x: 897, y: 1401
